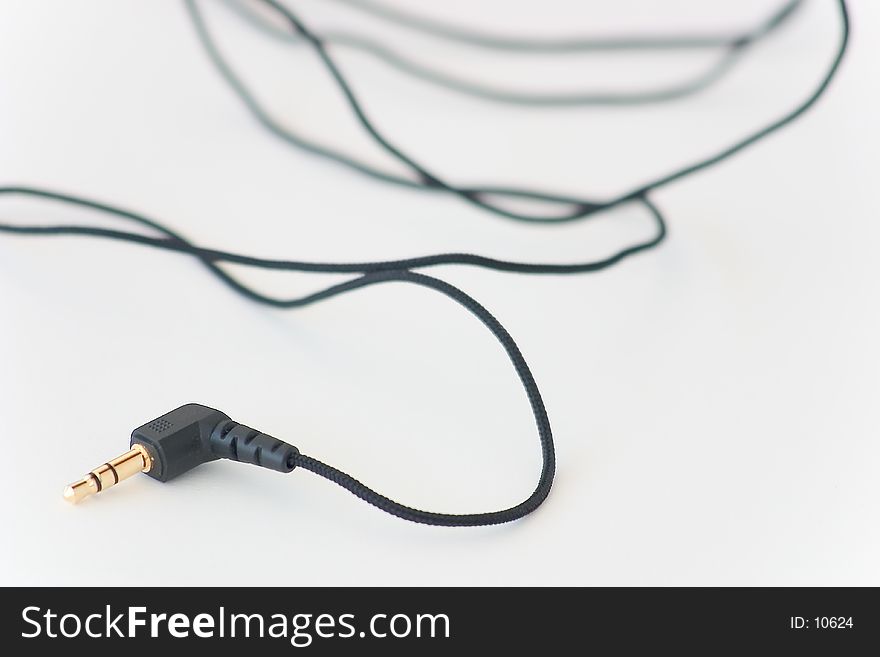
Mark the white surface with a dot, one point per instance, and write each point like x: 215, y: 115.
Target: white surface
x: 714, y: 402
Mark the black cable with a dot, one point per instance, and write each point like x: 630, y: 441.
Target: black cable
x: 567, y: 45
x: 474, y: 195
x: 542, y: 422
x: 315, y: 148
x: 400, y: 270
x: 175, y: 242
x: 379, y: 274
x: 733, y: 48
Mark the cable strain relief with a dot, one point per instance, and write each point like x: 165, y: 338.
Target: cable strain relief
x: 237, y: 442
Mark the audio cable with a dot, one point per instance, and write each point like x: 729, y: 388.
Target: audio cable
x: 193, y: 434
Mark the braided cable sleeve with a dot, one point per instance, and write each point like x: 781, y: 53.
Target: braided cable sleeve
x: 542, y: 422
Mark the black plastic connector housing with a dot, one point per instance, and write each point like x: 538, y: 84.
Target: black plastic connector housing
x: 194, y: 434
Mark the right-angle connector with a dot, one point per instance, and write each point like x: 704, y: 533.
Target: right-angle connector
x: 178, y: 441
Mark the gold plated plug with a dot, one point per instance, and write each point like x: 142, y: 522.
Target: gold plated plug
x: 135, y: 460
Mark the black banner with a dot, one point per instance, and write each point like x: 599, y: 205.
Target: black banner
x: 438, y: 621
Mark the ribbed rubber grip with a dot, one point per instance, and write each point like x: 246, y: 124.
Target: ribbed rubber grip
x: 237, y: 442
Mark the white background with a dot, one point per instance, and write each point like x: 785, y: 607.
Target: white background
x: 714, y: 402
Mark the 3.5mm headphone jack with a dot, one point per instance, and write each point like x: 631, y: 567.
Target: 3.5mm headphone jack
x: 135, y: 460
x: 181, y: 440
